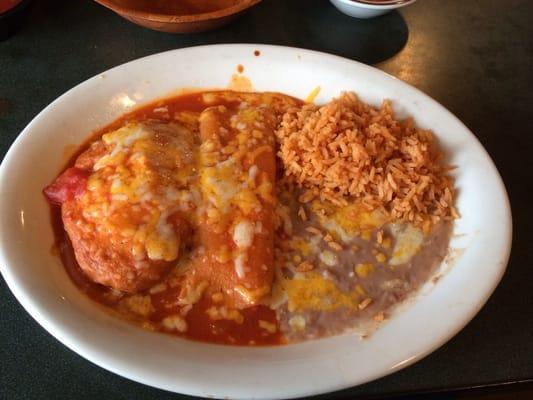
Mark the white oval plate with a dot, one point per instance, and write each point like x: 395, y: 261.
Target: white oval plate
x: 481, y: 243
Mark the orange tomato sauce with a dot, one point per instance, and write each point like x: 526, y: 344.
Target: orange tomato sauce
x: 199, y: 324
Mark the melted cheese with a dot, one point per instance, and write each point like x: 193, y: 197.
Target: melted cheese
x: 240, y: 265
x: 353, y: 218
x: 220, y: 184
x: 409, y: 241
x: 348, y: 221
x: 130, y: 192
x: 312, y: 96
x: 313, y: 292
x: 243, y: 234
x: 174, y: 323
x: 225, y: 185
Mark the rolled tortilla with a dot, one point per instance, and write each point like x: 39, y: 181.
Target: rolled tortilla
x: 237, y: 177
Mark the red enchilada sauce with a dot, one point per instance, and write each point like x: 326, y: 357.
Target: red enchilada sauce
x: 200, y: 326
x: 249, y: 330
x: 207, y: 295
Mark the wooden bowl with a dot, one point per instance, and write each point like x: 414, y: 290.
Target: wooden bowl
x: 177, y: 23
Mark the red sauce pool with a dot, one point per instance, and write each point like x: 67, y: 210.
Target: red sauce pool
x: 200, y: 326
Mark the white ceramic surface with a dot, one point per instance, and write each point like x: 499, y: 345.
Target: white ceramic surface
x: 38, y: 280
x: 363, y: 10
